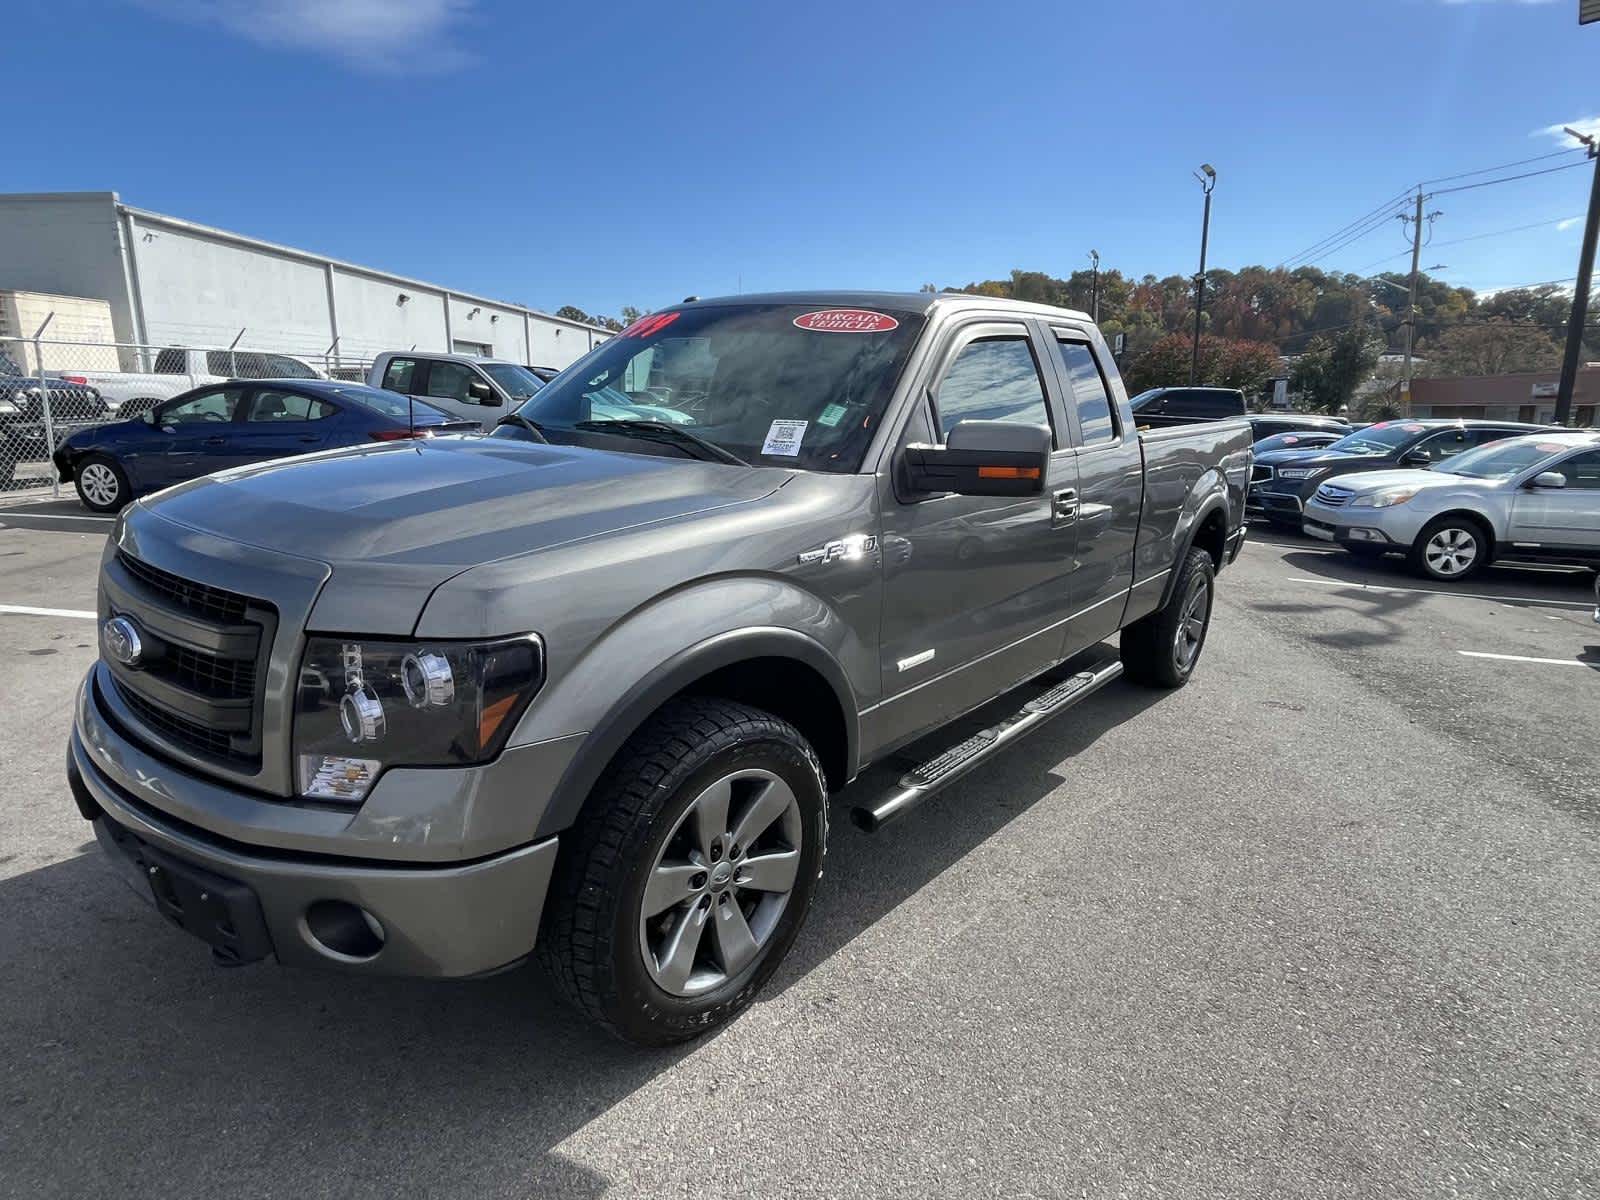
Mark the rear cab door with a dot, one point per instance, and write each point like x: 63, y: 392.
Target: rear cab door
x: 1110, y: 488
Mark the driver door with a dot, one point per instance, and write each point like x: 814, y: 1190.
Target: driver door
x: 1564, y: 521
x: 196, y: 436
x: 975, y: 587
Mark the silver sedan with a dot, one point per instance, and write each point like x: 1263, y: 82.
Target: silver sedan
x: 1530, y: 499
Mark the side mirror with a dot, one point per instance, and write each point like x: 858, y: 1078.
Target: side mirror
x: 981, y: 458
x: 148, y: 416
x: 1415, y: 458
x: 480, y: 391
x: 1549, y: 479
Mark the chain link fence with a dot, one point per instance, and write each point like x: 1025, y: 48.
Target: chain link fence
x: 51, y: 388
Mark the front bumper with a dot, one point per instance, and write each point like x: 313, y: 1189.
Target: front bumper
x: 426, y: 919
x: 1364, y: 526
x: 1273, y: 506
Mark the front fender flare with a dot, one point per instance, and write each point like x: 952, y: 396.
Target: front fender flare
x: 672, y: 676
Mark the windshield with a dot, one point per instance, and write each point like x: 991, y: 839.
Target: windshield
x: 1378, y: 439
x: 518, y: 382
x: 1502, y: 460
x: 780, y: 384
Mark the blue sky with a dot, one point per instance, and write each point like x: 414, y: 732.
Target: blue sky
x: 626, y: 153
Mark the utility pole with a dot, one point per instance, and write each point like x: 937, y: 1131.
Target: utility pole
x: 1580, y: 294
x: 1207, y: 181
x: 1411, y: 301
x: 1094, y: 288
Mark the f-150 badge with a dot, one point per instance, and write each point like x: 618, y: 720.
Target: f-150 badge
x: 857, y: 545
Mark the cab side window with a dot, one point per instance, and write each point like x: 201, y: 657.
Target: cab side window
x: 398, y: 375
x: 208, y: 408
x: 1089, y: 394
x: 448, y: 380
x: 1581, y: 470
x: 992, y: 379
x: 1443, y: 445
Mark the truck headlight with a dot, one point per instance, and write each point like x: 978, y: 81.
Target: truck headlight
x: 1301, y: 472
x: 1385, y: 498
x: 363, y: 705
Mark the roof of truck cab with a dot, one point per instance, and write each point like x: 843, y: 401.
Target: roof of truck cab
x: 917, y: 302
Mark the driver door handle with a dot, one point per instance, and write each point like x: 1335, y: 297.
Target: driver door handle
x: 215, y: 441
x: 1064, y: 505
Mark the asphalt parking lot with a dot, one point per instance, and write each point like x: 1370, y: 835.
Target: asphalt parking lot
x: 1323, y: 923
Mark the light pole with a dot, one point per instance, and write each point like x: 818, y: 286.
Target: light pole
x: 1580, y: 294
x: 1207, y: 176
x: 1094, y: 287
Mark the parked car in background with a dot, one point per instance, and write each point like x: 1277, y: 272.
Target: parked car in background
x: 23, y: 428
x: 1295, y: 441
x: 1267, y: 425
x: 472, y: 389
x: 1525, y: 499
x: 231, y: 424
x: 176, y: 369
x: 1281, y: 481
x: 1185, y: 405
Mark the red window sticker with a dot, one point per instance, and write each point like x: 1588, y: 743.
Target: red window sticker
x: 1413, y: 428
x: 846, y: 320
x: 649, y: 326
x: 1543, y: 447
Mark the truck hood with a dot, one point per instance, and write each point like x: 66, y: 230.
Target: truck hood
x: 396, y: 520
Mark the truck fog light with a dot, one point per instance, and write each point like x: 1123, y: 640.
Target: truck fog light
x: 427, y: 680
x: 333, y: 777
x: 361, y: 714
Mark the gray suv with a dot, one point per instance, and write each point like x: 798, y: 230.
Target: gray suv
x: 582, y: 687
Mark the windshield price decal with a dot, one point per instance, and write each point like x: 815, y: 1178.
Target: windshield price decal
x: 846, y: 320
x: 648, y: 326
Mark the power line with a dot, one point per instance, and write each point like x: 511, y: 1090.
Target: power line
x: 1521, y: 162
x: 1476, y: 237
x: 1382, y: 209
x: 1467, y: 187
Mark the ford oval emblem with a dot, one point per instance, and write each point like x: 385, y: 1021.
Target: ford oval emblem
x: 120, y: 639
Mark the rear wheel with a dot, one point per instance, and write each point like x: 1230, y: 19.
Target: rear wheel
x: 102, y: 484
x: 686, y: 880
x: 1161, y: 650
x: 1450, y: 548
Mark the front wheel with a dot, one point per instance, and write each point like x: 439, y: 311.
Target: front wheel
x: 1161, y: 650
x: 1449, y: 549
x: 102, y: 484
x: 686, y: 880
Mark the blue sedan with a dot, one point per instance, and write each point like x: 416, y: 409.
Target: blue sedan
x: 231, y: 424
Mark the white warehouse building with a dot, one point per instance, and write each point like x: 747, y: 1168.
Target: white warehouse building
x: 171, y: 282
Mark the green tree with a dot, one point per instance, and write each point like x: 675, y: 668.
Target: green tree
x: 1327, y: 374
x: 1494, y: 347
x: 570, y: 312
x: 629, y: 314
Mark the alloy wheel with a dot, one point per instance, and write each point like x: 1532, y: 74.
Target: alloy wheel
x: 1191, y: 632
x: 99, y: 483
x: 721, y: 882
x: 1451, y: 552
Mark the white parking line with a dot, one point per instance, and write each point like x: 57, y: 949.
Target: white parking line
x: 1375, y: 587
x: 27, y: 610
x: 28, y: 516
x: 1552, y: 662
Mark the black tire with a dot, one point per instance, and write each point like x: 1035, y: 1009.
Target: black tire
x: 1468, y: 531
x: 102, y: 504
x: 591, y: 940
x: 1151, y: 652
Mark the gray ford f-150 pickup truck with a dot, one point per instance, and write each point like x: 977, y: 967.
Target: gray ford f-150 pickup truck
x: 586, y: 684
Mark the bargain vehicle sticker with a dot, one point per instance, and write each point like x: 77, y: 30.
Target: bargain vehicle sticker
x: 1413, y: 428
x: 649, y: 326
x: 784, y: 437
x: 846, y: 320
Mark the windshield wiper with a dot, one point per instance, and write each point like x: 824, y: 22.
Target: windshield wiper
x: 660, y: 431
x: 522, y: 422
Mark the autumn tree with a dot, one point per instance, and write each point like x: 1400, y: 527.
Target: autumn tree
x: 1224, y: 362
x: 1494, y: 347
x: 1327, y: 374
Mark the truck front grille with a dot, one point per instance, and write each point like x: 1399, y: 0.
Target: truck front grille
x: 197, y: 685
x: 199, y: 598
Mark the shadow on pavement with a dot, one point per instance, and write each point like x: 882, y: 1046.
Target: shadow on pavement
x: 133, y: 1066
